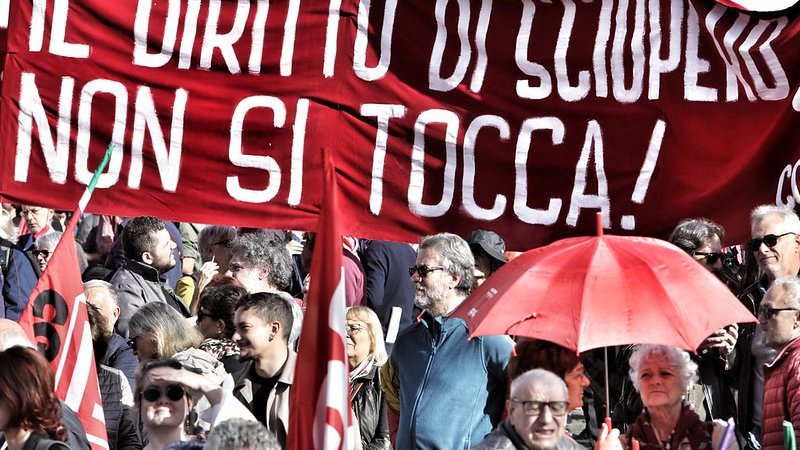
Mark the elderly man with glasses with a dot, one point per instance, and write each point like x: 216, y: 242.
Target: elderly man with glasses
x: 451, y: 388
x: 537, y: 418
x: 775, y: 246
x: 779, y: 314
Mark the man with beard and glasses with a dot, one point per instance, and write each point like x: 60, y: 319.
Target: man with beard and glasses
x: 452, y: 388
x: 712, y: 395
x: 263, y: 321
x: 775, y: 247
x: 148, y: 255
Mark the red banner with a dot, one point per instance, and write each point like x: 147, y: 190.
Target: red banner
x: 525, y: 117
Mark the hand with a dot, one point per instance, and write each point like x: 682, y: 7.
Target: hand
x: 294, y: 248
x: 723, y: 340
x: 608, y: 440
x: 208, y: 271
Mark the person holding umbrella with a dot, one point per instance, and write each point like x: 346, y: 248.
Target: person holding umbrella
x: 662, y: 375
x: 712, y: 396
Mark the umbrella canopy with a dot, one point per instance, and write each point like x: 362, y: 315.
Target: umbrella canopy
x: 590, y: 292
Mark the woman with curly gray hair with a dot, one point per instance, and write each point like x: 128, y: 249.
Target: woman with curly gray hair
x: 662, y: 375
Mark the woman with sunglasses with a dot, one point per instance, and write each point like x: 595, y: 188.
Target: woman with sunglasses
x: 44, y: 246
x: 712, y: 395
x: 165, y: 393
x: 29, y: 410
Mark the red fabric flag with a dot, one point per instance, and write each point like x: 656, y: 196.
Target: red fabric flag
x: 319, y: 414
x: 56, y: 319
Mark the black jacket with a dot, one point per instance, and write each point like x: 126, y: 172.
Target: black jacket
x: 369, y: 409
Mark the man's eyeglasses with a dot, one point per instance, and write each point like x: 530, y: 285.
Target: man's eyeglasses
x: 766, y: 313
x: 174, y: 393
x: 534, y: 407
x: 770, y: 240
x: 423, y: 270
x: 711, y: 258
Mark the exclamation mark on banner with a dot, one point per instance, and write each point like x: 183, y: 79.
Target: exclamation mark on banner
x: 646, y: 173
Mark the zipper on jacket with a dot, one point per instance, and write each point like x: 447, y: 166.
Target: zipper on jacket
x: 434, y: 345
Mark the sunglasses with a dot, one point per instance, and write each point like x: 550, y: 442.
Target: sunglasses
x: 769, y: 240
x: 40, y: 253
x: 423, y: 270
x: 132, y: 342
x: 173, y: 393
x: 767, y: 313
x: 711, y: 258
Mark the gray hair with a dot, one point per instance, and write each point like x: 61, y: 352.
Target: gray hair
x: 12, y: 335
x: 692, y: 234
x: 236, y: 434
x: 264, y: 252
x: 675, y: 358
x: 537, y: 377
x: 48, y: 241
x: 791, y: 286
x: 213, y: 234
x: 456, y: 255
x: 788, y: 216
x: 101, y: 284
x: 169, y: 330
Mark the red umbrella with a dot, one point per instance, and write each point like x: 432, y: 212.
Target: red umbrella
x: 590, y: 292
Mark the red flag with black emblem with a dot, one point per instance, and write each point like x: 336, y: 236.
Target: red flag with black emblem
x: 56, y: 319
x: 319, y: 414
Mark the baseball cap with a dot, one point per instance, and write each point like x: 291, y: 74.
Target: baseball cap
x: 490, y: 242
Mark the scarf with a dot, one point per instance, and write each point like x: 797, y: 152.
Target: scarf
x: 689, y: 427
x: 359, y: 371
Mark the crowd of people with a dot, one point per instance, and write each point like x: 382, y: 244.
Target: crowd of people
x: 195, y: 331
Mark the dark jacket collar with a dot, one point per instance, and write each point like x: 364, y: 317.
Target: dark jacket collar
x: 145, y: 271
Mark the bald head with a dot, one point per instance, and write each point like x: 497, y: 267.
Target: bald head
x: 538, y: 377
x: 12, y: 335
x: 101, y: 295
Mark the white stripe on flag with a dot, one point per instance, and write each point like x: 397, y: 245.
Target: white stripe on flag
x: 80, y: 375
x: 4, y: 7
x: 87, y: 194
x: 68, y: 341
x: 98, y: 441
x: 97, y: 412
